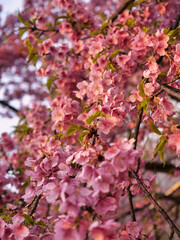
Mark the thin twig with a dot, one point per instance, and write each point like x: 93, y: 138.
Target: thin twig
x: 125, y: 4
x: 156, y: 205
x: 129, y: 212
x: 171, y: 235
x: 168, y: 198
x: 130, y: 196
x: 136, y: 136
x: 176, y: 23
x: 6, y: 104
x: 133, y: 216
x: 171, y: 91
x: 160, y: 167
x: 35, y: 205
x: 137, y: 128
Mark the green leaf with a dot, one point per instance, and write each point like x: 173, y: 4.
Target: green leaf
x: 114, y: 54
x: 28, y: 219
x: 141, y: 89
x: 22, y: 31
x: 160, y: 148
x: 154, y: 128
x: 145, y: 29
x: 144, y: 105
x: 75, y: 128
x: 41, y: 224
x: 94, y: 33
x: 94, y: 116
x: 26, y: 183
x: 28, y: 22
x: 166, y: 31
x: 20, y: 18
x: 104, y: 25
x: 119, y: 25
x: 174, y: 33
x: 28, y: 44
x: 49, y: 82
x: 98, y: 55
x: 134, y: 4
x: 172, y: 41
x: 102, y: 16
x: 6, y: 217
x: 33, y: 56
x: 110, y: 67
x: 22, y: 130
x: 131, y: 22
x: 81, y: 137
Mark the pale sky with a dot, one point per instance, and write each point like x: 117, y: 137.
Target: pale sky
x: 9, y: 6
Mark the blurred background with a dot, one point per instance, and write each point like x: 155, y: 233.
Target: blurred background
x: 8, y: 7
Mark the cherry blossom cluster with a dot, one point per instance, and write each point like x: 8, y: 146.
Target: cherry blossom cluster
x: 75, y: 166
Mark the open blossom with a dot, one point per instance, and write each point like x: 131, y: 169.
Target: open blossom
x: 161, y: 8
x: 103, y: 231
x: 133, y: 229
x: 2, y: 227
x: 20, y: 231
x: 122, y: 155
x: 67, y: 172
x: 65, y: 28
x: 174, y: 142
x: 160, y: 42
x: 149, y: 89
x: 95, y: 47
x: 106, y: 205
x: 153, y: 69
x: 140, y: 41
x: 106, y: 124
x: 177, y: 53
x: 65, y: 229
x: 51, y: 192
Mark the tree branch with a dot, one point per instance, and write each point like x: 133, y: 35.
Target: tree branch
x: 169, y: 198
x: 35, y: 205
x: 137, y: 128
x: 136, y: 136
x: 171, y: 91
x: 171, y: 235
x: 160, y: 167
x: 130, y: 196
x: 156, y: 205
x: 6, y: 104
x: 176, y: 23
x: 133, y: 216
x: 125, y: 4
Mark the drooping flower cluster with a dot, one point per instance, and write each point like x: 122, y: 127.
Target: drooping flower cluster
x: 67, y: 172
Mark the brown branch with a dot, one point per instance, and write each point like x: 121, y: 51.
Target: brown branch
x: 160, y: 167
x: 35, y: 205
x: 129, y: 212
x: 6, y: 104
x: 155, y: 203
x: 169, y: 198
x: 171, y: 235
x: 133, y: 216
x: 125, y: 4
x: 137, y: 127
x: 136, y: 136
x: 176, y: 23
x: 130, y: 196
x: 174, y: 92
